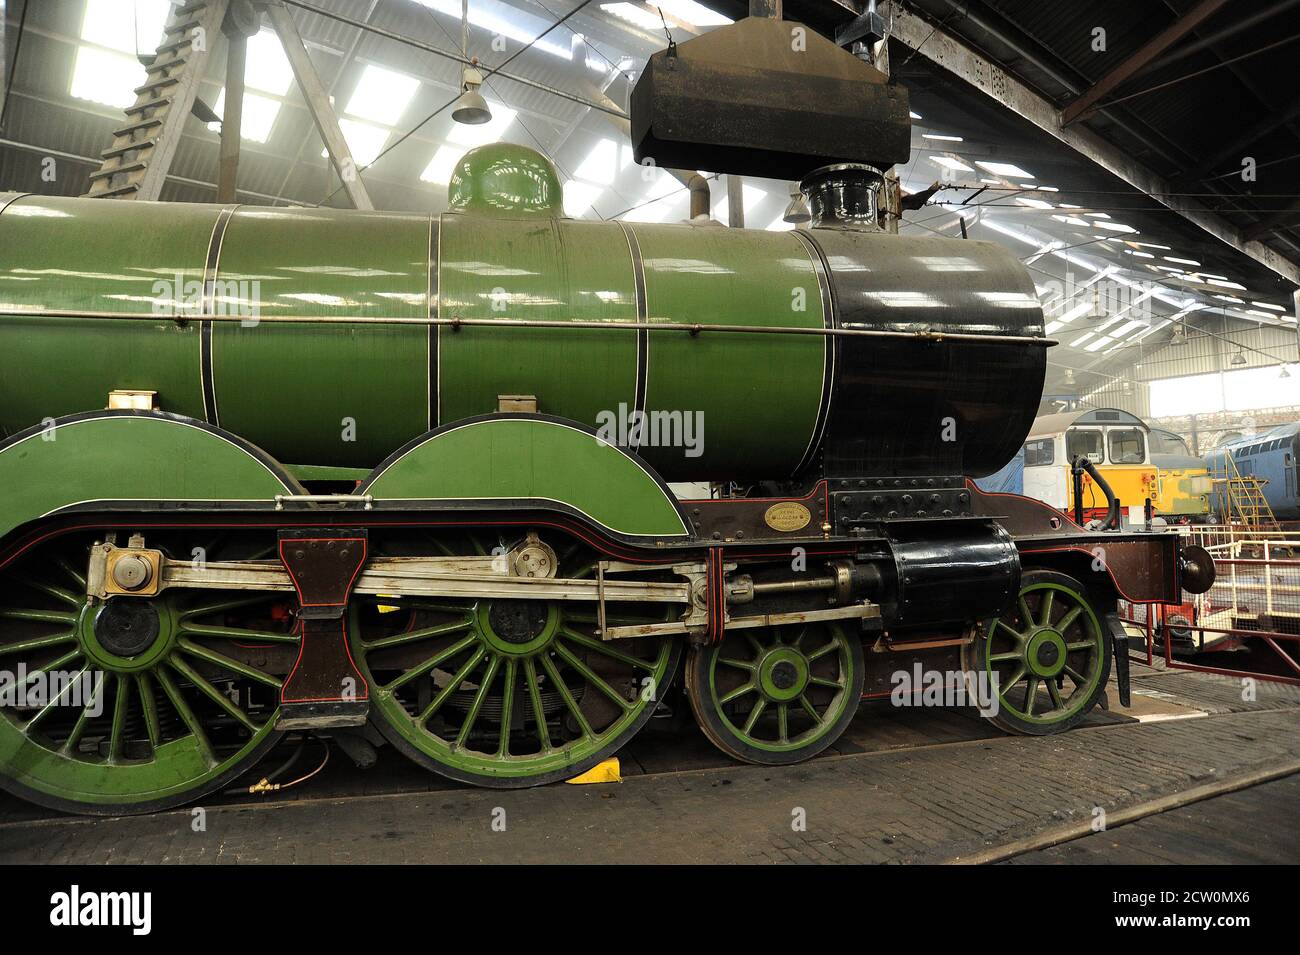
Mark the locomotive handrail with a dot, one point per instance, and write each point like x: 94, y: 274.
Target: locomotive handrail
x: 693, y: 329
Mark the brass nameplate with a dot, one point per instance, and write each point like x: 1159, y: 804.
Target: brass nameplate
x: 787, y: 516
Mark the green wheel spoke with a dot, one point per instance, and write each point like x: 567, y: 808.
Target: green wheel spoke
x: 37, y: 643
x: 604, y: 649
x: 58, y: 593
x: 1005, y: 657
x: 42, y: 616
x: 738, y: 664
x: 1031, y: 695
x: 187, y: 715
x: 452, y: 686
x: 1049, y: 598
x: 822, y: 651
x: 798, y: 640
x: 567, y: 696
x: 117, y: 734
x: 1026, y: 618
x: 783, y: 722
x: 144, y: 689
x: 1017, y: 675
x: 225, y: 606
x: 752, y: 639
x: 809, y: 708
x: 494, y: 664
x: 439, y: 658
x: 56, y: 663
x: 822, y: 681
x: 227, y: 664
x: 79, y: 727
x: 1054, y: 692
x: 1019, y: 637
x: 754, y: 714
x: 1082, y: 645
x: 539, y: 712
x: 211, y: 692
x: 77, y: 576
x: 507, y: 707
x: 53, y: 704
x: 1074, y: 675
x: 424, y: 633
x: 239, y: 633
x: 590, y: 675
x: 737, y: 693
x: 1070, y: 616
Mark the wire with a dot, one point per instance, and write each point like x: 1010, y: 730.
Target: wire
x: 984, y: 187
x: 265, y: 785
x: 490, y: 72
x: 672, y: 44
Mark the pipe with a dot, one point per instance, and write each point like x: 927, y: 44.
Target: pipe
x: 1083, y: 463
x: 694, y: 329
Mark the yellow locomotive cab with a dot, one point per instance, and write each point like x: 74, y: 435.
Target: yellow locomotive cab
x: 1114, y: 440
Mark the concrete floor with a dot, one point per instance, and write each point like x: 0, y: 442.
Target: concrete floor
x: 903, y: 785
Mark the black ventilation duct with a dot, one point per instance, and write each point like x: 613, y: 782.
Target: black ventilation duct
x: 766, y: 97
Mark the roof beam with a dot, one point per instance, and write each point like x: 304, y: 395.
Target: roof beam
x: 1162, y: 41
x: 322, y: 110
x: 945, y: 50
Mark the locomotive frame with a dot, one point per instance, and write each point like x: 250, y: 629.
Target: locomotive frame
x: 507, y: 597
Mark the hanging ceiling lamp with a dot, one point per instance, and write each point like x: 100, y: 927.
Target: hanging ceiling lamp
x: 471, y: 108
x: 1239, y: 359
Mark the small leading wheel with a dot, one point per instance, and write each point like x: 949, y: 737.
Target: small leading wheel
x: 776, y: 695
x: 133, y: 704
x: 508, y: 693
x: 1049, y: 655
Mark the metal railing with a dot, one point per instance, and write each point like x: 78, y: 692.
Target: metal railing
x: 1247, y: 624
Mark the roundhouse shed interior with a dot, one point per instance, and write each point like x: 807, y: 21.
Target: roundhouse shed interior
x: 510, y: 419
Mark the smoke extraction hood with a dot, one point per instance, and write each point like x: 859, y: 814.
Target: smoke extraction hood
x: 766, y: 97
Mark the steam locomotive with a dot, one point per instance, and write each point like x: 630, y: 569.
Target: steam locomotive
x: 278, y: 471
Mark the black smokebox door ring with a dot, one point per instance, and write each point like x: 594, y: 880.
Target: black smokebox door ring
x: 325, y: 685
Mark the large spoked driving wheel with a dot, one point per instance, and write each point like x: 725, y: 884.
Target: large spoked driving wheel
x: 1048, y: 657
x: 132, y: 704
x: 508, y: 692
x: 776, y: 695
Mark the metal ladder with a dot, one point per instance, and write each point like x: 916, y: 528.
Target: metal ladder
x: 135, y: 165
x: 1241, y: 497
